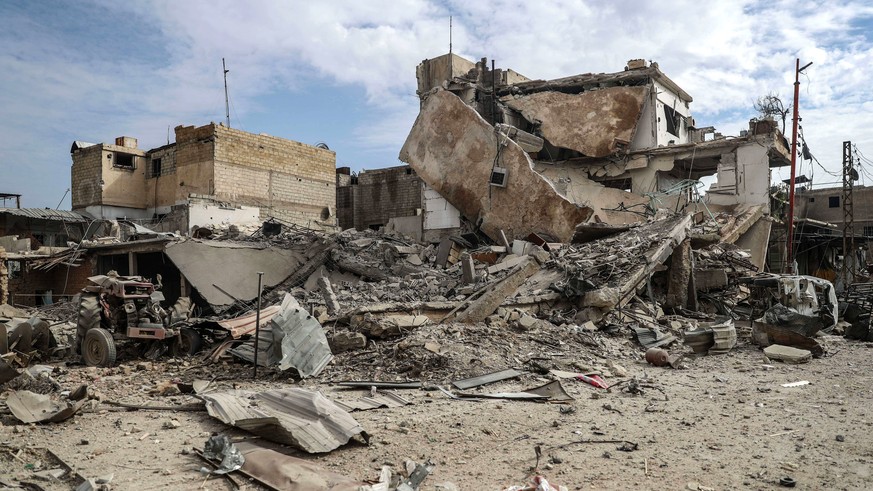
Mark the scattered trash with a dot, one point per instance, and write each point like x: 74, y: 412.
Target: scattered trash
x: 538, y: 483
x: 221, y: 449
x: 417, y: 476
x: 788, y: 482
x: 661, y: 358
x: 799, y: 383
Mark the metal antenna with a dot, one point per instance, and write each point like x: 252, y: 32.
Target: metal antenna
x: 226, y: 103
x: 450, y: 34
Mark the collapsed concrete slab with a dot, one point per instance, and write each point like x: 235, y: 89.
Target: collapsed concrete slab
x: 596, y: 123
x: 455, y: 151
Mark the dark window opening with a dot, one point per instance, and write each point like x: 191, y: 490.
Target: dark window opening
x: 622, y: 184
x: 672, y: 118
x: 124, y: 160
x: 375, y: 226
x: 156, y: 167
x: 812, y: 200
x: 408, y: 171
x: 13, y: 269
x: 833, y: 201
x: 868, y: 230
x: 354, y: 179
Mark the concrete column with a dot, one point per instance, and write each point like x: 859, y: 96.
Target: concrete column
x: 679, y: 276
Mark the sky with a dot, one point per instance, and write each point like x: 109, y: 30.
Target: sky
x: 343, y: 72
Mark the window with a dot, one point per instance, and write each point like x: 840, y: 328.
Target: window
x: 124, y: 160
x: 812, y: 200
x: 868, y: 230
x: 672, y: 119
x: 156, y: 168
x: 14, y: 269
x: 833, y: 201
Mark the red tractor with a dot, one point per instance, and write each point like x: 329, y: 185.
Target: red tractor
x: 119, y: 308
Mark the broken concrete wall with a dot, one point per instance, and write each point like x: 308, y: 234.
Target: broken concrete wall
x: 574, y: 185
x: 743, y: 177
x: 595, y: 123
x: 454, y: 150
x: 756, y: 240
x: 377, y: 196
x: 436, y: 71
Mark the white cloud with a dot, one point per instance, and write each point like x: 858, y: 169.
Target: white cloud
x: 57, y: 85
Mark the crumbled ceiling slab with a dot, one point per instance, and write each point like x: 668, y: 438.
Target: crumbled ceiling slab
x: 223, y: 273
x: 596, y: 123
x: 454, y: 150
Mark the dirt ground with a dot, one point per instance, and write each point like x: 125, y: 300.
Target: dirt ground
x: 719, y: 422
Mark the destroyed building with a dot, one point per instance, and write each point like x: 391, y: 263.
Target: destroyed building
x: 212, y: 174
x: 542, y: 156
x: 28, y: 237
x: 395, y: 198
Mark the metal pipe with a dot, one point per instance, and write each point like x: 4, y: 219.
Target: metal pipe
x: 258, y: 324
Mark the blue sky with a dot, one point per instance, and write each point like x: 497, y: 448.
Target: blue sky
x: 343, y: 72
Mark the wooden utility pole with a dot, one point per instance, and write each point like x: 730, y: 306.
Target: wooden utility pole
x: 849, y: 176
x: 789, y: 263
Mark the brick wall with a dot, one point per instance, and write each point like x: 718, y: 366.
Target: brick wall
x: 285, y: 179
x: 31, y: 281
x: 85, y: 175
x: 378, y: 196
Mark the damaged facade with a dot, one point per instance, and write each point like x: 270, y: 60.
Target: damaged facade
x: 395, y: 198
x: 543, y: 156
x: 210, y: 175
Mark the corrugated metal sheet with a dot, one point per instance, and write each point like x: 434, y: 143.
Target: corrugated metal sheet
x: 301, y: 418
x: 304, y: 346
x: 293, y: 339
x: 46, y: 214
x: 381, y: 399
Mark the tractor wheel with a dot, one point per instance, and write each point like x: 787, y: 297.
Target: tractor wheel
x: 189, y: 343
x: 98, y: 348
x: 88, y: 316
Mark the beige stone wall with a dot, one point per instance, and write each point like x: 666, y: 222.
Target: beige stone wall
x: 161, y: 190
x: 123, y: 186
x: 285, y: 179
x: 85, y: 175
x: 195, y: 153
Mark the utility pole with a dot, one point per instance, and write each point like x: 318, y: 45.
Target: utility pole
x: 226, y: 100
x: 789, y: 263
x: 849, y: 176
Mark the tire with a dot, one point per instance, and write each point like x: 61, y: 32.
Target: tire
x: 98, y: 348
x: 88, y: 316
x: 189, y: 343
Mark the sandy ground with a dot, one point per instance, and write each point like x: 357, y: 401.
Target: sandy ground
x: 722, y: 422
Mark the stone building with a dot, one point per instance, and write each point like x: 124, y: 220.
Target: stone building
x: 211, y: 174
x: 826, y: 205
x: 394, y: 198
